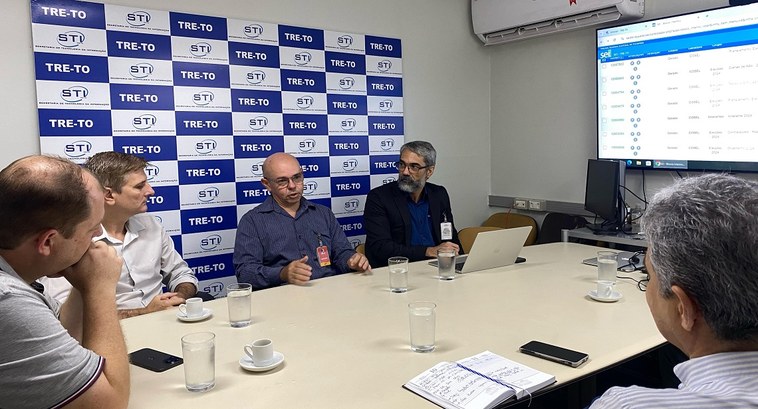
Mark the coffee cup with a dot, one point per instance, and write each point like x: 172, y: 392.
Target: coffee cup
x: 261, y: 351
x: 192, y: 307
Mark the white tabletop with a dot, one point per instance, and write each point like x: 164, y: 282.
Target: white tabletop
x: 345, y: 338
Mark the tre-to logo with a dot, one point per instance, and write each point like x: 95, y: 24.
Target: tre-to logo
x: 255, y: 77
x: 303, y: 58
x: 208, y: 194
x: 152, y: 171
x: 310, y: 187
x: 306, y: 145
x: 344, y: 41
x: 144, y: 121
x: 384, y: 65
x: 75, y: 93
x: 206, y: 146
x: 253, y: 30
x: 141, y: 70
x: 70, y: 39
x: 138, y: 18
x: 352, y: 205
x: 77, y: 149
x: 211, y: 242
x: 347, y: 83
x: 200, y: 49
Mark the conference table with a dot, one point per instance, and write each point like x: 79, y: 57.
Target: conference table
x: 345, y: 339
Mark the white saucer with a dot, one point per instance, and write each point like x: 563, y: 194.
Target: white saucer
x: 247, y: 364
x: 615, y: 296
x: 207, y: 312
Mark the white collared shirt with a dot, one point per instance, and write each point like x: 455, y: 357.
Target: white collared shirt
x: 150, y: 260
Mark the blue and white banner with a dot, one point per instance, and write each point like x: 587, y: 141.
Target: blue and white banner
x: 206, y: 99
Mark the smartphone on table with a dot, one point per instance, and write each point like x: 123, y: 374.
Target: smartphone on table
x: 153, y: 360
x: 554, y: 353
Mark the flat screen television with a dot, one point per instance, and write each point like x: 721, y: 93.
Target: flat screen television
x: 680, y: 93
x: 602, y: 194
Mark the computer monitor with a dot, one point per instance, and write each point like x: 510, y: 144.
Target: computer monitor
x: 602, y: 195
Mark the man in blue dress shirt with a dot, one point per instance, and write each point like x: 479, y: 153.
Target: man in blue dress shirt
x: 287, y: 239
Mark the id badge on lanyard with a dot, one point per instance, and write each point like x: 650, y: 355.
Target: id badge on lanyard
x: 322, y: 251
x: 446, y: 228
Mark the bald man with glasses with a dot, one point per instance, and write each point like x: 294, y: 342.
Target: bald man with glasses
x: 409, y: 217
x: 288, y: 239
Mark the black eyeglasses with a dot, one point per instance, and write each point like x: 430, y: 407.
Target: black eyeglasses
x: 284, y: 182
x: 414, y: 167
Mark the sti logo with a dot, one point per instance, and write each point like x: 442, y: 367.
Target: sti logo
x: 203, y: 98
x: 344, y: 41
x: 159, y: 219
x: 385, y: 105
x: 304, y: 102
x: 215, y: 288
x: 141, y: 70
x: 349, y: 165
x: 306, y: 145
x: 348, y: 124
x: 387, y: 144
x: 255, y: 77
x: 303, y: 58
x: 211, y: 242
x: 384, y: 65
x: 152, y: 171
x: 77, y: 149
x: 605, y: 54
x: 70, y: 39
x: 258, y: 123
x: 388, y: 180
x: 200, y: 49
x: 355, y: 243
x: 310, y: 187
x: 76, y: 93
x: 352, y: 205
x: 208, y: 194
x: 347, y: 83
x: 253, y: 30
x: 144, y: 121
x: 206, y: 146
x: 257, y: 169
x: 138, y: 18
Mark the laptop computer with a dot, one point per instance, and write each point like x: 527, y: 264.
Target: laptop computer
x: 491, y: 249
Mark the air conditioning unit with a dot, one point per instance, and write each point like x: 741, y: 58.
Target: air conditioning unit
x: 501, y: 21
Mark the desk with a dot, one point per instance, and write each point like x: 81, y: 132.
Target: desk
x: 629, y: 239
x: 345, y: 338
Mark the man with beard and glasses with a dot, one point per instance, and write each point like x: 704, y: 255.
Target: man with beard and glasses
x: 288, y: 239
x: 409, y: 217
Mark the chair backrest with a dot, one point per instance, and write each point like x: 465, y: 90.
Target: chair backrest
x: 361, y: 248
x: 550, y: 232
x: 467, y: 235
x: 506, y: 220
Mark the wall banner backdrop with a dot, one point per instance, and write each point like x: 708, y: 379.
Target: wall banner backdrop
x: 206, y: 99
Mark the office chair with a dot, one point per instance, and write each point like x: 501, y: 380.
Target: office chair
x: 507, y: 220
x: 550, y: 232
x: 467, y: 235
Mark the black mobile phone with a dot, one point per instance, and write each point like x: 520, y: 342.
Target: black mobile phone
x: 153, y: 360
x: 554, y: 353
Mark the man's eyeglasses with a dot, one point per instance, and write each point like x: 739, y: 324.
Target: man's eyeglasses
x: 284, y: 182
x: 414, y: 167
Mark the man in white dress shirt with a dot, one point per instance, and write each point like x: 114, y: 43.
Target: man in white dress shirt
x: 150, y: 259
x: 703, y: 293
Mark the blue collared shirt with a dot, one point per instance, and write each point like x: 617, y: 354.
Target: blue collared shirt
x: 268, y: 239
x: 421, y: 230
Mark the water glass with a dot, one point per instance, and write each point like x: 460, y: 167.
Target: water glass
x: 199, y: 354
x: 238, y: 299
x: 446, y: 264
x: 422, y: 319
x: 398, y: 267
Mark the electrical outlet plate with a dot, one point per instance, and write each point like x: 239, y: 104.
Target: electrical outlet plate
x: 538, y: 205
x: 520, y: 203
